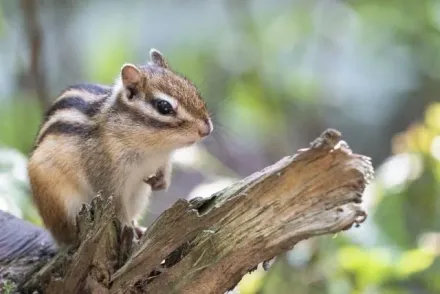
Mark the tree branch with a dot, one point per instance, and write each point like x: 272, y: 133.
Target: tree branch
x: 207, y: 245
x: 35, y: 39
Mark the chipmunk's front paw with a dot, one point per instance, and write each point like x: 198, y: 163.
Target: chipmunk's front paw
x: 139, y: 231
x: 157, y: 182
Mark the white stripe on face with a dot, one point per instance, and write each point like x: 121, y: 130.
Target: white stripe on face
x: 181, y: 112
x: 168, y: 98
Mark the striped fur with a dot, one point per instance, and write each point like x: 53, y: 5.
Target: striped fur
x: 111, y: 139
x: 71, y: 112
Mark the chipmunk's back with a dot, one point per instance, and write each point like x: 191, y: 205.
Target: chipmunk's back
x: 56, y: 172
x: 73, y: 110
x: 114, y: 139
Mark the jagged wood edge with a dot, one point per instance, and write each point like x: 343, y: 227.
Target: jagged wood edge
x: 199, y: 222
x: 74, y: 268
x: 182, y: 234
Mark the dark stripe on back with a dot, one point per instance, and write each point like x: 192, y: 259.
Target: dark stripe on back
x: 78, y: 103
x: 95, y: 89
x: 67, y: 128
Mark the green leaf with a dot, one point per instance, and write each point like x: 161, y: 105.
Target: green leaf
x: 414, y: 261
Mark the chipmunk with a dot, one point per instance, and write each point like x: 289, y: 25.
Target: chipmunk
x: 117, y: 140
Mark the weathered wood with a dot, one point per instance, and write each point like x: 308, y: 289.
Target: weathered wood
x: 24, y: 249
x: 207, y: 245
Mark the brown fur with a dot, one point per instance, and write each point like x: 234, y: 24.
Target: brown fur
x: 52, y: 178
x: 93, y: 139
x: 175, y: 86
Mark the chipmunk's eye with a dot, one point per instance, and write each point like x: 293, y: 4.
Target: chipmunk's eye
x: 164, y: 107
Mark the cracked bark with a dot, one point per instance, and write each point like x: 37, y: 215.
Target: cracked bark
x: 206, y: 245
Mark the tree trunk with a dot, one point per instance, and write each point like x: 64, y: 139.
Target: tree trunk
x: 207, y: 245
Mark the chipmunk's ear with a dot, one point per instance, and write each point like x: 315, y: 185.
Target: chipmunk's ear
x: 157, y: 58
x: 130, y: 75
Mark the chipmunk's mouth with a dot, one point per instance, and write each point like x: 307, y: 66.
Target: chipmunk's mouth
x: 191, y: 140
x: 190, y: 143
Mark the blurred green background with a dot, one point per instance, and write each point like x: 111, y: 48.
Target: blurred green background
x: 275, y: 74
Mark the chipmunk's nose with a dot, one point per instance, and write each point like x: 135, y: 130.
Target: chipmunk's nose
x: 205, y: 128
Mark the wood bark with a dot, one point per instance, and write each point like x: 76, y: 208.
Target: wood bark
x: 206, y: 245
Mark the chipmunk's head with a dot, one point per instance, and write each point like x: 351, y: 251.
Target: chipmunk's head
x: 160, y: 107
